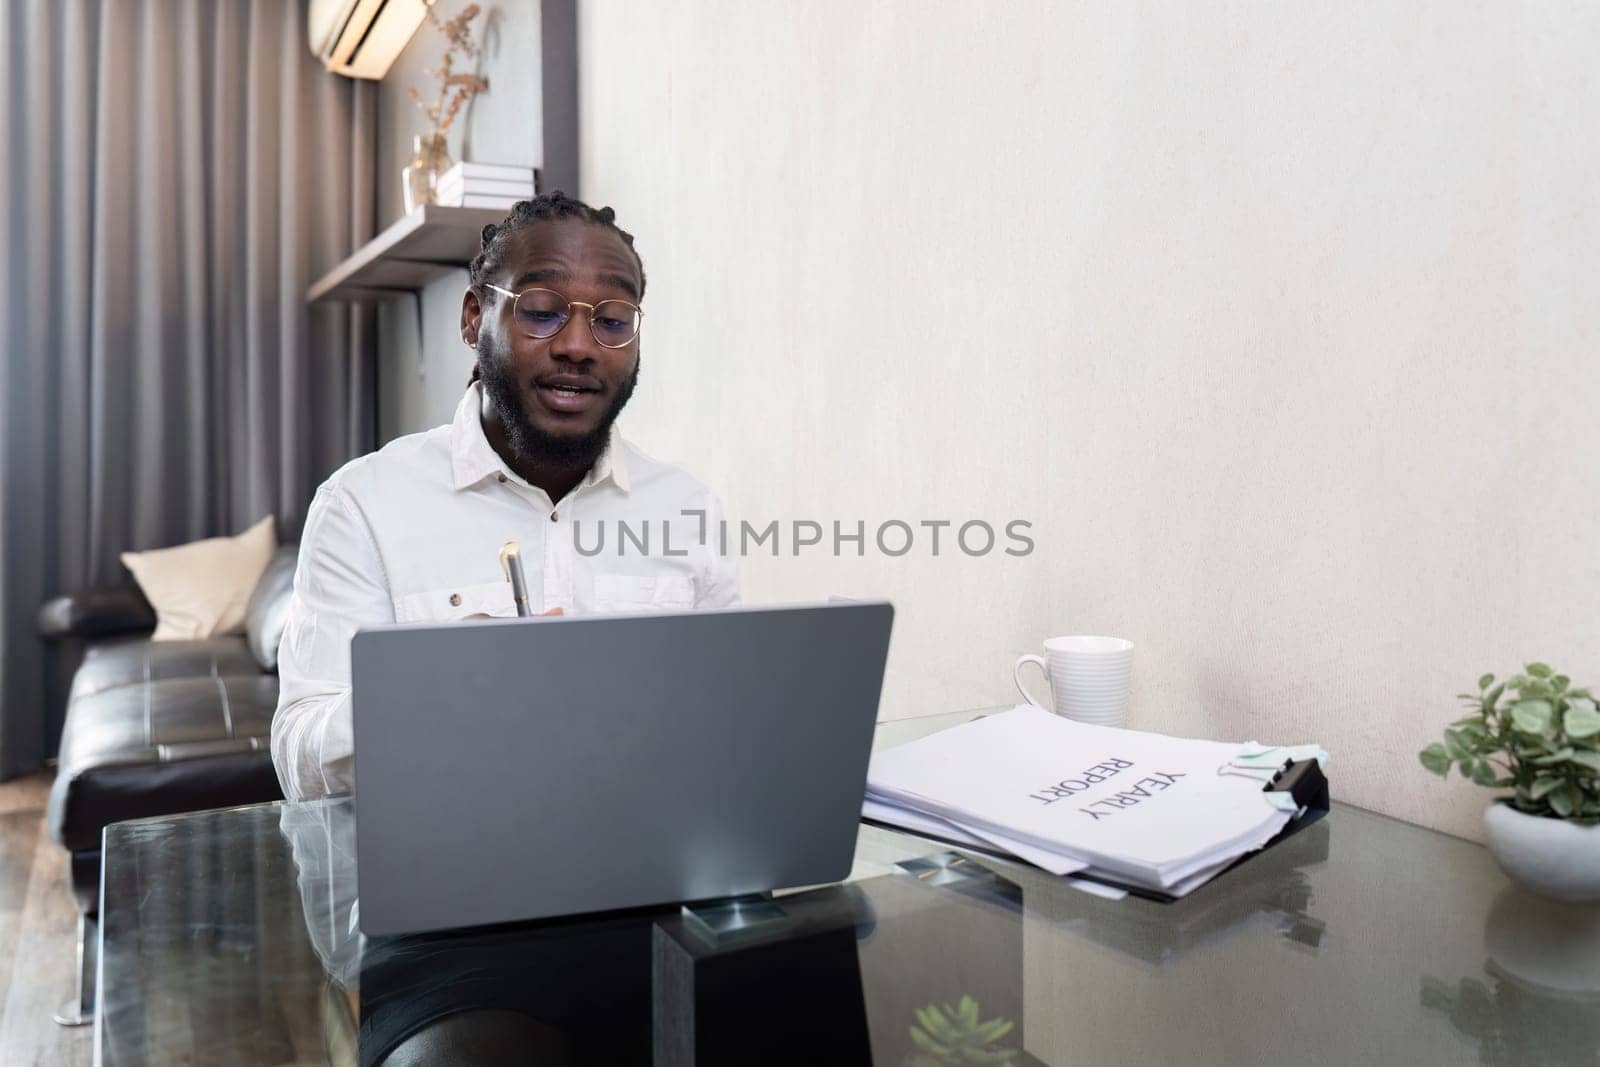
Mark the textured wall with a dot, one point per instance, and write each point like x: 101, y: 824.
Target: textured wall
x: 1278, y: 321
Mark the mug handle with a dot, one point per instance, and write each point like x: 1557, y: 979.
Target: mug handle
x: 1016, y: 676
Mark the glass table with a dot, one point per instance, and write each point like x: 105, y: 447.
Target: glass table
x: 229, y: 937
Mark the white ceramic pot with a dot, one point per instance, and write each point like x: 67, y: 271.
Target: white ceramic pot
x: 1553, y: 857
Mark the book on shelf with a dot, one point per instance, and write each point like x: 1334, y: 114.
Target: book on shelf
x: 495, y: 172
x: 485, y: 185
x: 505, y: 202
x: 458, y: 198
x: 519, y: 190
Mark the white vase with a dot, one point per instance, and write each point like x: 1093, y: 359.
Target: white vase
x: 1553, y: 857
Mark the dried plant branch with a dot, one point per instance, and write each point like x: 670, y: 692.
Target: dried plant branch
x: 455, y: 90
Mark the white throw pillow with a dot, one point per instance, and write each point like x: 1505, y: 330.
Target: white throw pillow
x: 201, y: 589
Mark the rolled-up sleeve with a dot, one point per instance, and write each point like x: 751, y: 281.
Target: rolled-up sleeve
x: 340, y: 586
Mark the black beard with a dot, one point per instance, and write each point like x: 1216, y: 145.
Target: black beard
x: 532, y: 444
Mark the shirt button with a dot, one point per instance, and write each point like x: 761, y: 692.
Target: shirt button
x: 554, y: 516
x: 455, y: 600
x: 502, y: 477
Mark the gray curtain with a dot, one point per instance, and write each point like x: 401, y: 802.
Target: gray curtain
x: 179, y: 171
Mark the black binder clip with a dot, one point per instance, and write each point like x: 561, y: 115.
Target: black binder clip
x: 1304, y: 781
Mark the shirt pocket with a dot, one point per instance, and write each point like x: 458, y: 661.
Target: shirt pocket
x: 630, y: 592
x: 457, y: 602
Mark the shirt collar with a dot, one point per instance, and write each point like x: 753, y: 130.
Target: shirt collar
x: 473, y: 458
x: 612, y: 464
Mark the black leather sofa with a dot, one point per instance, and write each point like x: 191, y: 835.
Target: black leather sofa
x: 157, y: 728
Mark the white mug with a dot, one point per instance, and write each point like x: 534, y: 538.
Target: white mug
x: 1090, y: 678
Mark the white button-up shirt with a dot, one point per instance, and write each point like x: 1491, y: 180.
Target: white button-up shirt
x: 412, y: 533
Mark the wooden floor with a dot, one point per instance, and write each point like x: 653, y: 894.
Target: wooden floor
x: 38, y: 936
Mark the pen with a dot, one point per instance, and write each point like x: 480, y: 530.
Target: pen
x: 511, y: 565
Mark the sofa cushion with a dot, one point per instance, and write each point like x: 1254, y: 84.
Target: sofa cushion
x: 112, y: 664
x: 201, y: 589
x: 168, y: 745
x: 269, y: 607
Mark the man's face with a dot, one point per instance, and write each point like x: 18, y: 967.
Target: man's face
x: 555, y: 397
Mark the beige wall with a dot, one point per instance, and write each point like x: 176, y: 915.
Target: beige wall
x: 1278, y: 321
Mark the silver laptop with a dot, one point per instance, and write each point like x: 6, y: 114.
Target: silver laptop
x: 514, y: 769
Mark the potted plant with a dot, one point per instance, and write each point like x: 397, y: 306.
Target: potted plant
x: 1539, y: 736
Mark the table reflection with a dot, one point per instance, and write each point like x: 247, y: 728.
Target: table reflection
x: 644, y: 986
x: 1271, y: 891
x: 1538, y: 1000
x: 925, y: 963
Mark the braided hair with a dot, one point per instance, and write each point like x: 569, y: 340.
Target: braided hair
x: 524, y: 213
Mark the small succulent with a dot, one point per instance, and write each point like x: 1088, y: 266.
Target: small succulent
x: 1535, y: 733
x: 954, y: 1035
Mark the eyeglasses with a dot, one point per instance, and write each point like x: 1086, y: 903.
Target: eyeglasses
x: 544, y: 313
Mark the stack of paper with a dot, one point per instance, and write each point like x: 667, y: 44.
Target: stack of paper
x: 1139, y: 809
x: 498, y: 185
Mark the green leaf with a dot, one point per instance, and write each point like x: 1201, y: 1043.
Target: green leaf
x: 1560, y: 802
x: 928, y: 1044
x: 1486, y: 681
x: 1531, y: 716
x: 935, y: 1023
x: 1436, y: 759
x: 1483, y: 773
x: 1456, y: 745
x: 1561, y: 682
x: 994, y: 1030
x: 1544, y: 786
x: 1560, y: 755
x: 1582, y: 719
x: 1493, y: 697
x: 1539, y: 670
x: 1590, y: 760
x: 969, y: 1012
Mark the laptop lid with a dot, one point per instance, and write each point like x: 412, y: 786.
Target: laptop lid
x: 519, y: 769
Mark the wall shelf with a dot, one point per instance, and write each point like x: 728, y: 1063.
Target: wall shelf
x: 408, y: 255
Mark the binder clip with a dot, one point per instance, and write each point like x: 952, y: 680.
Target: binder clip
x: 1304, y: 781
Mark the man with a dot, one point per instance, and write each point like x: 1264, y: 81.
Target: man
x: 412, y: 533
